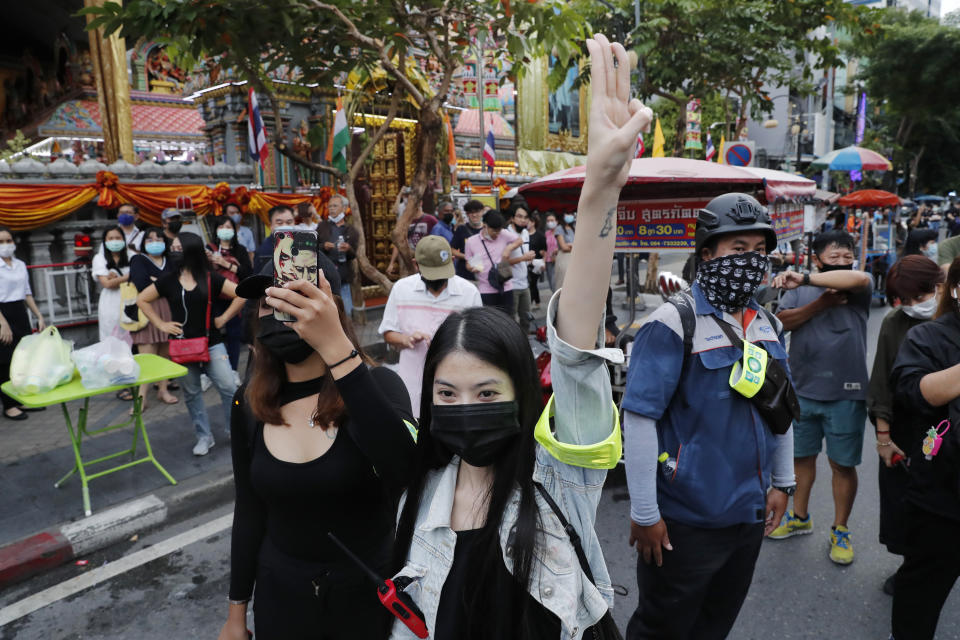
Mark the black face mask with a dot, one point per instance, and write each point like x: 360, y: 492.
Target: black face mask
x: 434, y: 285
x: 175, y: 257
x: 835, y: 267
x: 447, y: 218
x: 476, y: 432
x: 174, y: 226
x: 282, y: 341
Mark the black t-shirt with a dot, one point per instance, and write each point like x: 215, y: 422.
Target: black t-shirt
x: 144, y: 271
x: 351, y: 490
x: 460, y: 235
x: 194, y: 317
x: 452, y: 612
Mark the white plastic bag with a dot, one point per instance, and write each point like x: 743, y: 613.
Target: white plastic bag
x: 41, y: 362
x: 106, y: 364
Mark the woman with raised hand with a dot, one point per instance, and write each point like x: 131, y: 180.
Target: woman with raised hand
x: 321, y: 443
x: 481, y: 545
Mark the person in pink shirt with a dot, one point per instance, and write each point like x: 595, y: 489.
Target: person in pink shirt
x: 484, y: 252
x: 552, y: 248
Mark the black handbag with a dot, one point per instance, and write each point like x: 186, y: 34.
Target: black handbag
x: 776, y: 402
x: 497, y: 276
x: 605, y: 628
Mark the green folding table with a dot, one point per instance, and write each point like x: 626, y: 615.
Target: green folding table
x: 153, y: 368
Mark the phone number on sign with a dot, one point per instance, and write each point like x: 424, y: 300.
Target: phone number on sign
x: 657, y: 230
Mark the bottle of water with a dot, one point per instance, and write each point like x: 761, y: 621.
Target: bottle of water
x: 341, y: 256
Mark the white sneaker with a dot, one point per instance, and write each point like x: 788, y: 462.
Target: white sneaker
x: 203, y: 446
x: 236, y: 379
x: 205, y: 382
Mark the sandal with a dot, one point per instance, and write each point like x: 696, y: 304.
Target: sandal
x: 172, y: 386
x: 124, y: 394
x: 170, y: 399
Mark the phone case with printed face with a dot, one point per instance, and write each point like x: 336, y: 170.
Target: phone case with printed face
x: 294, y: 258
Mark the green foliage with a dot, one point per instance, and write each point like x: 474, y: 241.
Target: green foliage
x: 17, y: 144
x: 739, y: 49
x: 910, y: 71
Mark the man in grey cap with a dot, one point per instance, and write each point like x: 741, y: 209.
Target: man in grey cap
x: 172, y: 221
x: 418, y: 305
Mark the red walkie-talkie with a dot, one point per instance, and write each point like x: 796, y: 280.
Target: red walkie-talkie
x: 392, y: 597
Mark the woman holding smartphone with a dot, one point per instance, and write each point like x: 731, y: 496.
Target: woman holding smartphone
x: 186, y: 290
x: 483, y: 551
x: 320, y: 444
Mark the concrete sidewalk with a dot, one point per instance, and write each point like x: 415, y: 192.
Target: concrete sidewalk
x: 41, y: 526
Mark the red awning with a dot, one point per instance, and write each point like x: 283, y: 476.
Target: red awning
x: 781, y: 185
x: 649, y: 178
x: 870, y: 198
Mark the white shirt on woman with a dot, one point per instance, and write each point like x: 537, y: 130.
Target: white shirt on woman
x: 108, y: 306
x: 14, y: 283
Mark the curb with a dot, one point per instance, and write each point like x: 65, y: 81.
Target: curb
x: 59, y: 545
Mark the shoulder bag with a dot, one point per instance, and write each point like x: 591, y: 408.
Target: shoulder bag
x: 499, y: 272
x: 605, y: 628
x: 186, y: 350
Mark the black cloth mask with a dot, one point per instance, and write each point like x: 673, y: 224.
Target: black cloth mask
x: 282, y: 341
x: 835, y: 267
x: 434, y: 285
x: 728, y: 282
x: 175, y: 257
x: 476, y: 432
x: 447, y: 218
x: 174, y: 226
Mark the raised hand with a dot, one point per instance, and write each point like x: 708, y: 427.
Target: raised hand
x: 615, y: 119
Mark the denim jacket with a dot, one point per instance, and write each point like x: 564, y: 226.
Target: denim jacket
x: 584, y: 415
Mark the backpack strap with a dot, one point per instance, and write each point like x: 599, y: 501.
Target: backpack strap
x: 688, y: 320
x: 683, y: 302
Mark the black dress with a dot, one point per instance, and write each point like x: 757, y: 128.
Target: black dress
x: 303, y: 586
x: 16, y: 315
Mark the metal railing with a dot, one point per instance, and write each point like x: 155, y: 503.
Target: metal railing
x: 64, y: 292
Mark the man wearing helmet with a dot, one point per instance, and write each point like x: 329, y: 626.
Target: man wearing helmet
x: 707, y: 476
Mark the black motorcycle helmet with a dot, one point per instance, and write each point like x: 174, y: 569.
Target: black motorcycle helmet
x: 733, y: 213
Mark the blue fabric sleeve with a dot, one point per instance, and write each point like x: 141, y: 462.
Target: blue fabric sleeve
x: 789, y: 300
x: 782, y: 462
x: 656, y: 363
x: 640, y: 448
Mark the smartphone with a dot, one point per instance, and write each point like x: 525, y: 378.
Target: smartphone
x: 294, y: 258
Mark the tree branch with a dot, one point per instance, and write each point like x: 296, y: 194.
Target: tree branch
x: 376, y: 46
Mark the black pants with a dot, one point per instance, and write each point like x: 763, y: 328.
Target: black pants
x: 502, y: 301
x: 533, y: 280
x: 699, y: 590
x: 299, y: 600
x: 16, y: 316
x: 931, y: 566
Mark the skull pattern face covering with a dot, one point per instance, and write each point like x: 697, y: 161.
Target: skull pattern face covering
x: 728, y: 282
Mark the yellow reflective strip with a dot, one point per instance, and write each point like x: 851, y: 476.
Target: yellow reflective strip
x: 412, y: 428
x: 746, y: 378
x: 602, y: 455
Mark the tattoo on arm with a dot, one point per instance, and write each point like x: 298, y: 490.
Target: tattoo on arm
x: 608, y: 223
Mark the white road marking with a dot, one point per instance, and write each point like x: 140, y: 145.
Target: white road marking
x: 92, y: 578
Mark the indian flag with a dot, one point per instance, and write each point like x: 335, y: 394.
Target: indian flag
x: 337, y: 149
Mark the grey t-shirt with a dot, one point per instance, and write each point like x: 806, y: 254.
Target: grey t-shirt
x: 828, y: 354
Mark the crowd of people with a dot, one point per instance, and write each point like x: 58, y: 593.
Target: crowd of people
x: 448, y: 474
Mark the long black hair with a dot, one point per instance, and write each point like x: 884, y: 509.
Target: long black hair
x: 495, y: 338
x: 237, y: 250
x: 161, y: 237
x: 194, y: 256
x: 123, y: 260
x: 917, y: 239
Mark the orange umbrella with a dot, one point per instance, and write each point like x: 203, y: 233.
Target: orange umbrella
x: 870, y: 198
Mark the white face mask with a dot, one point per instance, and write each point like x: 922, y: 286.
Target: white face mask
x: 922, y: 310
x: 551, y: 224
x: 7, y: 250
x: 336, y: 219
x: 931, y: 251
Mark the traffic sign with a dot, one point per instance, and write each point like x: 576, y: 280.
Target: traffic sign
x: 738, y: 154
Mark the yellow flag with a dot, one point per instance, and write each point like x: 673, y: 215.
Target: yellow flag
x: 658, y: 140
x: 723, y: 143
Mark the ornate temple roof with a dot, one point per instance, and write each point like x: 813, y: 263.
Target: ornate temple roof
x: 81, y: 118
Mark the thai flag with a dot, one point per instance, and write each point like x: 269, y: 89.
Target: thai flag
x: 711, y: 150
x: 640, y: 147
x: 256, y: 134
x: 489, y: 151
